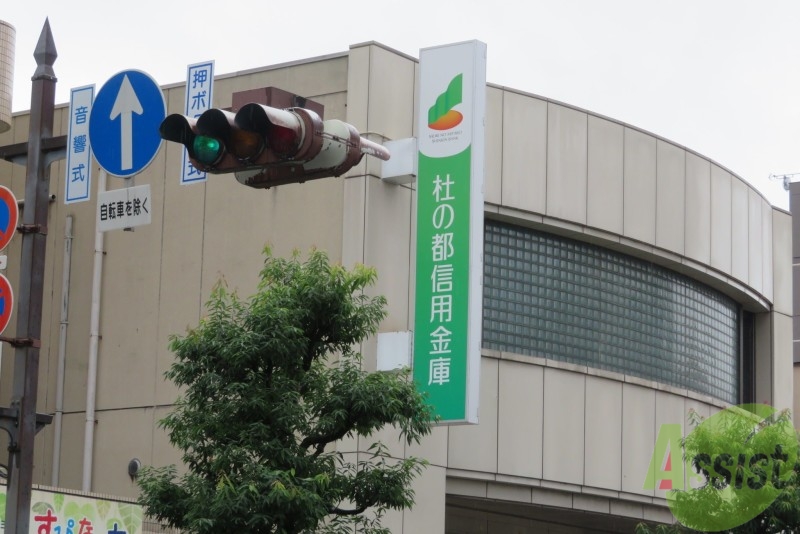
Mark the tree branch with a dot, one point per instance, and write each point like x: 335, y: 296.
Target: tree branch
x: 360, y: 510
x: 324, y: 439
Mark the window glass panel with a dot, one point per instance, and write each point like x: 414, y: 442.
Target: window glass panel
x: 570, y: 301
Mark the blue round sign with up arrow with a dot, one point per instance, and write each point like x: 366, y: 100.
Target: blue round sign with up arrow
x: 123, y: 125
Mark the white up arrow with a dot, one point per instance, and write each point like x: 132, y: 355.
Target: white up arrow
x: 124, y: 106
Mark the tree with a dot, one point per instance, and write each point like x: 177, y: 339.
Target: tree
x: 780, y: 505
x: 270, y: 383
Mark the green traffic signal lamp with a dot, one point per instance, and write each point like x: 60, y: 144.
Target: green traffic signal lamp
x: 207, y: 150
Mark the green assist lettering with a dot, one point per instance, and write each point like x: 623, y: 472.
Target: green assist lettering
x: 666, y: 465
x: 738, y: 461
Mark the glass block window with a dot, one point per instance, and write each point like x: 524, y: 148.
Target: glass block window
x: 552, y: 297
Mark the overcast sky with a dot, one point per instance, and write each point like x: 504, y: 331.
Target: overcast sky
x: 718, y: 76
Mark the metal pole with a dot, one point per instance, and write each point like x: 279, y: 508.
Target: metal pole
x: 31, y: 286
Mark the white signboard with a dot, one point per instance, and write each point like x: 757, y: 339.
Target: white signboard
x: 199, y: 86
x: 79, y: 151
x: 67, y: 512
x: 123, y: 208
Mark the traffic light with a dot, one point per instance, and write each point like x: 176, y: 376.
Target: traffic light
x: 266, y: 146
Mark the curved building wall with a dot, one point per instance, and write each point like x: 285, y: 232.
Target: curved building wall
x: 557, y: 430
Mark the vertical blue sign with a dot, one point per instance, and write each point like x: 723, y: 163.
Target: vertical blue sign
x: 199, y: 87
x: 79, y: 151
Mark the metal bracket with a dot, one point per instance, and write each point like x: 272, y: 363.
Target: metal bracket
x: 32, y: 229
x: 9, y: 421
x: 18, y: 342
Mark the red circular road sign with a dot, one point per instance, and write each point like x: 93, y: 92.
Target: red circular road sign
x: 6, y: 302
x: 9, y: 215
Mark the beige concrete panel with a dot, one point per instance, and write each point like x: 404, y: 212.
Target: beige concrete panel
x: 369, y: 353
x: 764, y: 360
x: 659, y: 514
x: 604, y: 207
x: 120, y: 436
x: 524, y: 153
x: 691, y: 409
x: 564, y: 420
x: 163, y: 452
x: 627, y: 509
x: 782, y: 262
x: 358, y: 78
x: 721, y: 219
x: 548, y: 497
x: 755, y: 236
x: 494, y: 146
x: 309, y: 79
x: 391, y: 94
x: 740, y: 226
x: 567, y: 154
x: 80, y: 299
x: 43, y: 451
x: 670, y: 409
x: 509, y: 492
x: 237, y: 262
x: 783, y: 386
x: 766, y: 247
x: 354, y: 220
x: 51, y: 305
x: 289, y: 217
x: 387, y: 248
x: 428, y: 512
x: 700, y: 408
x: 603, y: 450
x: 638, y: 436
x: 358, y: 92
x: 698, y: 208
x: 71, y: 472
x: 126, y: 362
x: 432, y: 447
x: 670, y: 200
x: 388, y: 436
x: 591, y: 503
x: 466, y: 487
x: 180, y: 306
x: 412, y: 257
x: 520, y: 419
x: 796, y: 396
x: 474, y: 447
x: 640, y: 186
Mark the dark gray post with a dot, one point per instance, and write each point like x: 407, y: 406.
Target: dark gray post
x: 794, y: 208
x: 31, y: 286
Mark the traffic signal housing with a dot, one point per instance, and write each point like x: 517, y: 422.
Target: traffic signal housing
x: 266, y: 146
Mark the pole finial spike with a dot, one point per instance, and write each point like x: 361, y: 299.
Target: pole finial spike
x: 45, y: 54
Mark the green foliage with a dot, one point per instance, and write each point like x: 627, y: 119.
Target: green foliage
x: 781, y: 516
x: 270, y: 383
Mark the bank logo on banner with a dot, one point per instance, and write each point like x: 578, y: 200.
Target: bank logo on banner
x: 442, y: 116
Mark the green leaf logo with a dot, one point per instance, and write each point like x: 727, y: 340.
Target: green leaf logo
x: 442, y: 116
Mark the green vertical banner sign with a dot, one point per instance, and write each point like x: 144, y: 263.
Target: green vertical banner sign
x: 449, y: 246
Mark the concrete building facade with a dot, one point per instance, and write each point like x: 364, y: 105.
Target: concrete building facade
x: 590, y: 226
